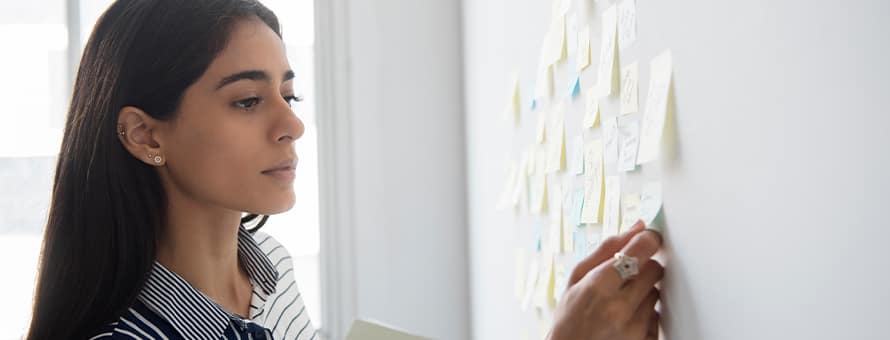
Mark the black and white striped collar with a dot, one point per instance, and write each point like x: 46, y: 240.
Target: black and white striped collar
x: 192, y: 313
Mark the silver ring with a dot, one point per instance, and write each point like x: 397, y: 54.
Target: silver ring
x: 627, y: 266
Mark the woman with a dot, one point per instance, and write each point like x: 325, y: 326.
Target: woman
x: 180, y: 121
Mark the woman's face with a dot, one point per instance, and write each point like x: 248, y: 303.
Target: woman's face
x: 233, y: 124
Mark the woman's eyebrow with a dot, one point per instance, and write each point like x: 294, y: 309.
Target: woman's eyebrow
x: 252, y: 75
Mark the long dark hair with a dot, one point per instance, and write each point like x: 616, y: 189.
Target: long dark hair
x: 108, y: 207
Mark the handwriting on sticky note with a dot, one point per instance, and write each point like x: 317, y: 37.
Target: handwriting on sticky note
x: 629, y: 139
x: 650, y: 202
x: 656, y: 108
x: 610, y: 209
x: 629, y: 88
x: 630, y: 210
x: 607, y: 51
x: 627, y: 23
x: 610, y: 140
x: 593, y: 181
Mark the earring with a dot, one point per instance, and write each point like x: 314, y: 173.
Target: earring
x: 120, y: 130
x: 156, y: 158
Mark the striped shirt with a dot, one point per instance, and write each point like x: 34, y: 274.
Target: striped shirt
x: 168, y: 307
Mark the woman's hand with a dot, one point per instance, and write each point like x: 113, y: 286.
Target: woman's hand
x: 599, y: 305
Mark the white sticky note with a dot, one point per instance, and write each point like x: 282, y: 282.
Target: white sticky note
x: 556, y: 214
x: 544, y: 83
x: 531, y: 160
x: 650, y: 203
x: 544, y: 295
x: 577, y: 166
x: 630, y: 88
x: 607, y: 51
x: 611, y: 210
x: 531, y: 284
x: 540, y: 134
x: 627, y: 23
x: 593, y: 181
x: 558, y: 39
x: 519, y: 266
x: 630, y: 210
x: 629, y: 139
x: 561, y: 280
x: 610, y: 140
x: 539, y: 193
x: 583, y: 57
x: 591, y: 108
x: 509, y: 183
x: 656, y: 108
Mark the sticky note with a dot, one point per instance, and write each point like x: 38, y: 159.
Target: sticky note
x: 577, y: 166
x: 627, y: 23
x: 514, y: 98
x: 541, y: 160
x: 583, y: 58
x: 536, y: 243
x: 650, y: 203
x: 531, y: 160
x: 557, y: 39
x: 629, y: 88
x: 539, y: 192
x: 540, y: 133
x: 560, y: 281
x: 610, y: 140
x: 556, y: 154
x: 607, y: 51
x: 544, y: 83
x: 577, y: 206
x: 509, y: 183
x: 629, y: 139
x: 630, y: 210
x: 591, y: 108
x: 656, y: 108
x: 593, y: 182
x: 611, y: 210
x: 581, y: 251
x: 520, y: 184
x: 531, y: 283
x: 544, y: 297
x: 575, y: 88
x: 567, y: 237
x: 555, y: 237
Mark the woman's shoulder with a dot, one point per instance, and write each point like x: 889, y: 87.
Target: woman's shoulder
x: 138, y: 322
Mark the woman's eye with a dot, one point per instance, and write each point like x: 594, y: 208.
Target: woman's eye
x: 247, y: 103
x: 293, y: 99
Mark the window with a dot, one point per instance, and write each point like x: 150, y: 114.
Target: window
x: 49, y: 36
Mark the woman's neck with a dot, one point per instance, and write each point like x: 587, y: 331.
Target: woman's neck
x: 200, y: 244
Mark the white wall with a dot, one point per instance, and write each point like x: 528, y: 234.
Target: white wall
x: 408, y: 165
x: 775, y: 194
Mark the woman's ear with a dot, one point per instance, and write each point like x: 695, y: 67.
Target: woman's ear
x: 140, y: 135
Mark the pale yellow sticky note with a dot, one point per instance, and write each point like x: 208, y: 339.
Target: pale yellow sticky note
x: 544, y: 83
x: 541, y: 159
x: 630, y: 210
x: 555, y: 237
x: 539, y: 192
x: 545, y: 299
x: 540, y: 134
x: 507, y: 193
x: 607, y: 51
x: 611, y: 208
x: 519, y: 265
x: 650, y: 203
x: 583, y: 57
x: 521, y: 182
x: 568, y: 237
x: 630, y: 88
x: 656, y: 108
x: 513, y: 104
x: 629, y: 139
x: 593, y: 182
x: 627, y: 23
x: 610, y: 140
x: 561, y: 280
x: 532, y: 163
x: 591, y: 108
x: 556, y: 154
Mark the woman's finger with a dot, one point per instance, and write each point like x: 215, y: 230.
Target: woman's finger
x: 635, y: 289
x: 642, y: 317
x: 604, y: 252
x: 642, y: 247
x: 652, y: 334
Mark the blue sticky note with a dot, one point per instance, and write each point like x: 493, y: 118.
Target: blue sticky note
x: 537, y: 241
x: 580, y: 245
x: 534, y: 103
x: 576, y: 88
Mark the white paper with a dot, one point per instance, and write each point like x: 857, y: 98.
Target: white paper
x: 607, y: 51
x: 611, y: 210
x: 630, y: 76
x: 629, y: 139
x: 627, y: 23
x: 656, y: 108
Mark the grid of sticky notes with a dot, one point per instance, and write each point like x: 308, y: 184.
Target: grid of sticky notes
x: 576, y: 179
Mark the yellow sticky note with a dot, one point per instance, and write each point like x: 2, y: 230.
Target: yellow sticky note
x: 556, y: 220
x: 591, y: 108
x: 593, y: 182
x: 558, y: 39
x: 545, y: 298
x: 568, y: 236
x: 611, y: 208
x: 531, y: 284
x: 629, y: 88
x: 513, y: 104
x: 561, y: 280
x: 506, y: 195
x: 607, y: 51
x: 583, y: 48
x: 630, y: 210
x: 556, y: 155
x: 656, y: 108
